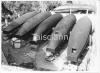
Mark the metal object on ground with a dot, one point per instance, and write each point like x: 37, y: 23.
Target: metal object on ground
x: 60, y: 33
x: 45, y: 27
x: 19, y: 21
x: 79, y: 39
x: 32, y: 23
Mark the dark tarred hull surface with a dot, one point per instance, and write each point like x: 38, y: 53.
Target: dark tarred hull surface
x: 48, y: 24
x: 45, y: 28
x: 78, y: 38
x: 19, y: 21
x: 62, y: 28
x: 32, y: 23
